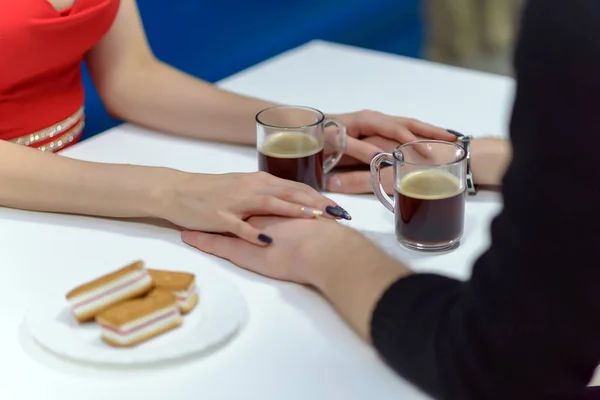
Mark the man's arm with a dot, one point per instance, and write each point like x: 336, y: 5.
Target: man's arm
x: 489, y: 159
x: 526, y: 325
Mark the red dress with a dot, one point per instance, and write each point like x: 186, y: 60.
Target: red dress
x: 41, y: 50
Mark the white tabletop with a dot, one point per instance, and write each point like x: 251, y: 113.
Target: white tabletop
x: 294, y: 345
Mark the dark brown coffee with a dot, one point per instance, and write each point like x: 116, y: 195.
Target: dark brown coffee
x: 429, y: 207
x: 294, y: 156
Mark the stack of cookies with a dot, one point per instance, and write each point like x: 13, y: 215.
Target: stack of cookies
x: 135, y: 304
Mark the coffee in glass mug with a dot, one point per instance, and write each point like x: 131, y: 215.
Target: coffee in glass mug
x: 429, y: 193
x: 294, y: 156
x: 291, y: 144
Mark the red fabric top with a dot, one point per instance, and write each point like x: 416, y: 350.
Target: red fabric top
x: 41, y: 51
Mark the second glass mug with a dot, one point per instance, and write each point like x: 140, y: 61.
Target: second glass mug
x: 429, y: 193
x: 292, y: 143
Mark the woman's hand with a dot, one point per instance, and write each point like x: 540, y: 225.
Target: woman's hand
x: 221, y: 203
x: 370, y: 133
x: 372, y: 124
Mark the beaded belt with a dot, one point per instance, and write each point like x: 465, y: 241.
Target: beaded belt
x: 62, y: 134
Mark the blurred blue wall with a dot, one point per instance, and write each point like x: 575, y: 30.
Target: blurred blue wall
x: 214, y: 39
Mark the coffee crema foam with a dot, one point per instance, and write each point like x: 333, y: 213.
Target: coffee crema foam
x: 430, y: 185
x: 290, y: 145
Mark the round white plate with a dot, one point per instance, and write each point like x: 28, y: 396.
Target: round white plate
x: 219, y: 314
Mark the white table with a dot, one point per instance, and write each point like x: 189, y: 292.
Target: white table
x: 294, y: 346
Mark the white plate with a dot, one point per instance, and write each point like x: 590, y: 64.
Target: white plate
x: 219, y: 314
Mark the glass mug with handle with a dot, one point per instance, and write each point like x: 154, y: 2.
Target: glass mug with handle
x: 292, y: 142
x: 429, y: 193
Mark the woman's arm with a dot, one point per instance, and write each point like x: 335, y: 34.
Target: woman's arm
x: 137, y: 87
x: 33, y: 180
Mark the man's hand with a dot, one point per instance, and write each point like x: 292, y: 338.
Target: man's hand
x: 303, y: 250
x: 343, y: 265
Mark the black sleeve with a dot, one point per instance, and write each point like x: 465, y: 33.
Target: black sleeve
x: 527, y: 323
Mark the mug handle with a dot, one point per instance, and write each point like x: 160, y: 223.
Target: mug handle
x: 335, y: 157
x: 376, y: 179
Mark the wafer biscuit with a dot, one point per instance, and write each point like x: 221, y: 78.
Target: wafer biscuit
x: 93, y: 297
x: 181, y: 284
x: 138, y: 320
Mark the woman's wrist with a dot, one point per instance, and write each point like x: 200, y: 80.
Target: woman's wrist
x: 161, y: 188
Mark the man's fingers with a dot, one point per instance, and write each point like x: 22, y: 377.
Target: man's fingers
x: 219, y: 245
x: 359, y: 182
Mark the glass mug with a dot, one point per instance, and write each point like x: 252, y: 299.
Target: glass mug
x: 429, y: 193
x: 291, y: 143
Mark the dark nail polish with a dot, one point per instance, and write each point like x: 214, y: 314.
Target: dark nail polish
x: 455, y: 133
x: 334, y: 212
x: 386, y: 163
x: 265, y: 239
x: 338, y: 212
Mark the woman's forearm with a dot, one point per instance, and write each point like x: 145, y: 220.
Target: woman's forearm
x: 168, y: 100
x: 489, y: 159
x: 32, y: 180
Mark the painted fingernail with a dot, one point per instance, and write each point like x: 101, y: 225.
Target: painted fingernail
x: 311, y: 211
x: 386, y: 163
x: 346, y: 214
x: 265, y: 239
x: 454, y: 132
x: 334, y: 183
x: 376, y: 154
x: 338, y: 212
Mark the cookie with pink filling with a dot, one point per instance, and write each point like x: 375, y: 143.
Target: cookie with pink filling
x: 181, y: 284
x: 93, y: 297
x: 136, y: 321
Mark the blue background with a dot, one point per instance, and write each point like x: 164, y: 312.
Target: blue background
x: 214, y: 39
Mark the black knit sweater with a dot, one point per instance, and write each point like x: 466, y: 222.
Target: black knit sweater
x: 527, y: 323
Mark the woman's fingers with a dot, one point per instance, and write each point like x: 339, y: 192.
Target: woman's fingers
x: 425, y: 130
x: 391, y: 129
x: 403, y: 130
x: 301, y: 199
x: 270, y: 205
x: 244, y: 230
x: 359, y: 181
x: 361, y: 150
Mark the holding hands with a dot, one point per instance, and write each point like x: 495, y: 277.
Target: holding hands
x: 369, y: 133
x: 300, y: 253
x: 224, y: 203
